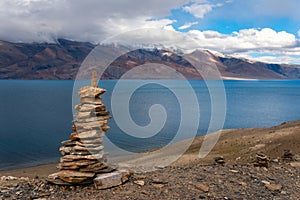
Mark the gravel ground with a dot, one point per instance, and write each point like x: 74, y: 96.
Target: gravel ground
x: 279, y: 181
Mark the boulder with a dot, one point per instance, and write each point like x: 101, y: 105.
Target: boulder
x: 109, y: 180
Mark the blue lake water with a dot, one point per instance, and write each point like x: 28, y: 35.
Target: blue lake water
x: 35, y: 116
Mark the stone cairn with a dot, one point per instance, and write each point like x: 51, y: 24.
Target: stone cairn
x: 288, y: 155
x: 84, y: 161
x: 261, y: 160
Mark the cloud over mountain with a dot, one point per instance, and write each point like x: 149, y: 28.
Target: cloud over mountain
x: 224, y: 26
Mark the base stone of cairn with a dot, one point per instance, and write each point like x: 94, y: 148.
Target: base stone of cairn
x: 84, y: 161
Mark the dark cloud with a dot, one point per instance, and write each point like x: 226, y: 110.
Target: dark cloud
x: 89, y: 20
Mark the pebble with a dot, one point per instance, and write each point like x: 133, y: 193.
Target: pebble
x: 265, y: 182
x: 274, y: 187
x: 203, y: 187
x: 139, y: 182
x: 207, y: 182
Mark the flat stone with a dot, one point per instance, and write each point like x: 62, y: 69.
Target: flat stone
x: 54, y: 179
x: 244, y: 184
x: 98, y: 129
x: 297, y: 157
x: 260, y: 156
x: 295, y: 164
x: 87, y: 135
x: 68, y: 158
x: 89, y: 114
x: 100, y: 113
x: 70, y: 177
x: 139, y: 182
x: 265, y: 182
x: 202, y: 187
x: 92, y: 144
x: 72, y: 151
x: 91, y: 141
x: 274, y: 187
x: 158, y: 185
x: 89, y: 91
x: 92, y: 119
x: 83, y: 115
x: 90, y: 149
x: 98, y: 168
x: 219, y: 160
x: 68, y: 143
x: 109, y: 180
x: 90, y: 107
x: 76, y: 149
x: 105, y: 128
x: 60, y: 166
x: 78, y: 163
x: 91, y: 125
x: 91, y: 100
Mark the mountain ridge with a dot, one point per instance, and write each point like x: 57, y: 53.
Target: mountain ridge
x: 61, y: 61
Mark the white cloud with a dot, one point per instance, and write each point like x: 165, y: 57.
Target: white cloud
x: 259, y: 44
x: 283, y: 47
x: 200, y: 10
x: 187, y: 25
x: 245, y: 40
x: 94, y: 20
x: 47, y: 20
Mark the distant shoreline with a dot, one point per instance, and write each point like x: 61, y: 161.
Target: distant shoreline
x: 241, y: 79
x: 224, y: 78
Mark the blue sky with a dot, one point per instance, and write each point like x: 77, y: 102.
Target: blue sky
x: 266, y: 30
x: 232, y: 16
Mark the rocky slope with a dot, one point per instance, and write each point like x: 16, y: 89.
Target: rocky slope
x: 42, y: 61
x: 62, y: 61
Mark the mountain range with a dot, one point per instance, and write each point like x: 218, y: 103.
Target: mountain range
x: 61, y: 61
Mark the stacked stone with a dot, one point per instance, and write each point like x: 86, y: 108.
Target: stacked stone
x: 220, y: 160
x: 83, y: 160
x: 261, y: 160
x: 83, y: 156
x: 288, y: 155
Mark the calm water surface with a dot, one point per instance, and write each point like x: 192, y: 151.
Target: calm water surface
x: 35, y: 116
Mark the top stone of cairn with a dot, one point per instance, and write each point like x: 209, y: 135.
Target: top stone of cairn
x: 91, y: 91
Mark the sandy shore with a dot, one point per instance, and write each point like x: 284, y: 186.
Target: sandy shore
x: 41, y: 171
x: 238, y: 146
